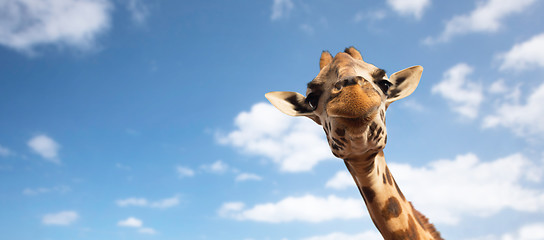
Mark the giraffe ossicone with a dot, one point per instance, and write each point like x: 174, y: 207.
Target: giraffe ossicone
x: 349, y: 98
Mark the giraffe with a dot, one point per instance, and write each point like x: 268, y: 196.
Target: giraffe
x: 349, y: 98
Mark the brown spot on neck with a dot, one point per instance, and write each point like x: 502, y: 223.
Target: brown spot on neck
x: 392, y: 208
x: 368, y: 194
x: 410, y: 233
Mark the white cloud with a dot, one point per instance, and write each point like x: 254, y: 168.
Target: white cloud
x: 413, y: 8
x: 147, y: 230
x: 60, y: 218
x: 142, y: 202
x: 26, y: 24
x: 133, y: 222
x: 216, y: 167
x: 523, y: 119
x: 447, y: 190
x: 341, y: 180
x: 525, y: 55
x: 295, y: 143
x: 504, y: 92
x: 463, y: 95
x: 138, y: 10
x: 130, y: 222
x: 45, y: 147
x: 248, y: 177
x: 368, y: 235
x: 487, y: 17
x: 42, y: 190
x: 307, y: 208
x: 498, y: 87
x: 4, y: 151
x: 184, y: 171
x: 281, y: 9
x: 533, y: 231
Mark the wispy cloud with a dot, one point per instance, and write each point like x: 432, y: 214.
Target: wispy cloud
x: 166, y: 203
x: 463, y: 95
x: 373, y: 15
x: 412, y: 104
x: 130, y: 222
x: 525, y: 55
x: 123, y: 167
x: 217, y: 167
x: 369, y: 235
x: 46, y: 147
x: 184, y: 171
x: 63, y: 218
x: 138, y: 10
x: 42, y: 190
x: 24, y: 25
x: 4, y: 151
x: 307, y: 28
x: 281, y: 9
x: 413, y: 8
x: 139, y: 202
x: 147, y: 230
x: 295, y: 144
x: 242, y: 177
x: 307, y: 208
x: 486, y: 17
x: 143, y: 202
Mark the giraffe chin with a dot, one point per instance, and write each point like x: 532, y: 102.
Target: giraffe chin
x: 356, y: 137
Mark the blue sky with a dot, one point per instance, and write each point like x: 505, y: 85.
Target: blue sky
x: 132, y: 119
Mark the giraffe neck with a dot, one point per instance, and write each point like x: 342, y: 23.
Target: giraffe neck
x: 392, y: 214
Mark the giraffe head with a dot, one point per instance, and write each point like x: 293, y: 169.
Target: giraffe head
x: 349, y: 98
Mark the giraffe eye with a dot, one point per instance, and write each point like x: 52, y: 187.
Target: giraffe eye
x: 312, y: 99
x: 384, y: 85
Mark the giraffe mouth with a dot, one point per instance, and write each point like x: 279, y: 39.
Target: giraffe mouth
x: 356, y: 122
x: 363, y: 115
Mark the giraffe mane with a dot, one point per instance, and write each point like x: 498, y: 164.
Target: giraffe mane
x: 425, y: 224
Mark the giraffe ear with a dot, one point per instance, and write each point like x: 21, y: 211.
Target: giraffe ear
x: 290, y: 103
x: 404, y: 83
x: 325, y: 59
x: 354, y: 53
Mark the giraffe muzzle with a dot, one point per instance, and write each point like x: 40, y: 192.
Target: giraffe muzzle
x: 354, y: 101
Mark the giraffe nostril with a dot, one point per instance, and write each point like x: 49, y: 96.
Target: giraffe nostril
x: 345, y: 82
